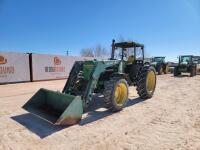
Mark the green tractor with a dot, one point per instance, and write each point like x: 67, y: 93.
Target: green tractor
x: 110, y: 77
x: 197, y: 62
x: 186, y: 64
x: 160, y: 65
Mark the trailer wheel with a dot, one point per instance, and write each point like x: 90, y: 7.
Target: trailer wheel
x: 115, y: 94
x: 146, y: 82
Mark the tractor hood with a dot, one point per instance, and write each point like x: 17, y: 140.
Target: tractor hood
x: 104, y: 61
x: 90, y: 65
x: 184, y: 63
x: 154, y: 63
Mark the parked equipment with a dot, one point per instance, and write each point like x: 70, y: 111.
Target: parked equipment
x: 160, y: 65
x: 187, y: 64
x: 196, y: 60
x: 109, y: 77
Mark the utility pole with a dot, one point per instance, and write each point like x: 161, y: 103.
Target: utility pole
x: 67, y: 53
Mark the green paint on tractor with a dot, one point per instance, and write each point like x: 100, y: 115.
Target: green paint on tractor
x: 108, y: 77
x: 187, y: 64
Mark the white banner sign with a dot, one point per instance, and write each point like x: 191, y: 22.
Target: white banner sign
x: 14, y: 67
x: 48, y: 67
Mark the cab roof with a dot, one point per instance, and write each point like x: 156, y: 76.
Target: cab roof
x: 128, y: 44
x: 186, y: 55
x: 159, y: 57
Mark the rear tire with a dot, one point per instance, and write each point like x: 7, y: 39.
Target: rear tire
x: 146, y: 82
x: 166, y: 70
x: 116, y: 94
x: 193, y: 72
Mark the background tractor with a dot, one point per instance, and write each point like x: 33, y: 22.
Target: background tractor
x: 187, y: 64
x: 160, y: 65
x: 108, y: 77
x: 196, y: 61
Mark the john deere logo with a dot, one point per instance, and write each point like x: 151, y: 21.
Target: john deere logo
x: 57, y: 61
x: 2, y: 60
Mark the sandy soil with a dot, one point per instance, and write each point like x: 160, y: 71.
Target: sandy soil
x: 170, y: 120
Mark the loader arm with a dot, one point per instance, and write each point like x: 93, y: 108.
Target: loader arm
x: 90, y: 80
x: 100, y: 68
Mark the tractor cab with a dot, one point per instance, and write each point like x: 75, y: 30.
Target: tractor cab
x: 131, y: 55
x: 186, y: 60
x: 130, y: 52
x: 158, y: 59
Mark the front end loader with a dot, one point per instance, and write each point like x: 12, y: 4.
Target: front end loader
x: 109, y: 77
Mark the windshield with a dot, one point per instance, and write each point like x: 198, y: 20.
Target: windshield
x: 159, y: 59
x: 128, y: 52
x: 185, y: 59
x: 118, y: 53
x: 139, y: 54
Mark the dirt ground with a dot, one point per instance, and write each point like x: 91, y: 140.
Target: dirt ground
x: 170, y: 120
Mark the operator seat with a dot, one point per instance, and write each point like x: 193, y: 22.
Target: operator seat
x: 131, y: 59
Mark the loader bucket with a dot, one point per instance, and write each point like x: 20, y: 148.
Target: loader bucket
x: 55, y: 107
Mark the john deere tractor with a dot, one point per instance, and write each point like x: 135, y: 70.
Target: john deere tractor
x: 110, y: 77
x: 160, y: 65
x: 197, y: 62
x: 186, y: 65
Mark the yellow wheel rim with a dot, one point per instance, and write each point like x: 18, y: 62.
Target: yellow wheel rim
x: 151, y: 81
x: 120, y: 94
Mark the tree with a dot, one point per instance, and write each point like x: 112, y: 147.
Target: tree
x: 98, y: 51
x: 87, y: 52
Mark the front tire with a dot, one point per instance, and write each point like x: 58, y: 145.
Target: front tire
x: 146, y: 82
x: 176, y: 72
x: 116, y: 94
x: 160, y: 70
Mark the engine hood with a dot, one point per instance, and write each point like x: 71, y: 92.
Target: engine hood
x: 184, y: 63
x: 154, y: 63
